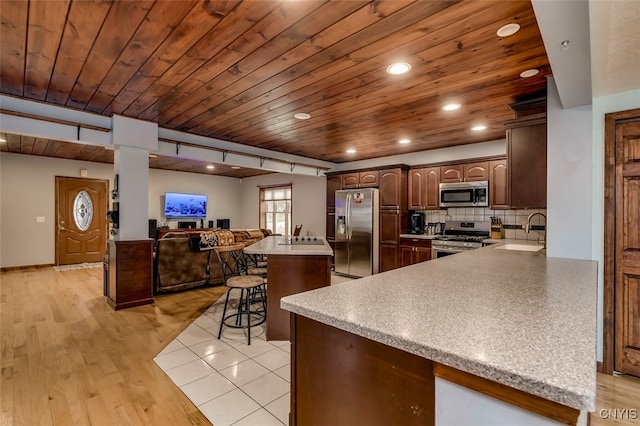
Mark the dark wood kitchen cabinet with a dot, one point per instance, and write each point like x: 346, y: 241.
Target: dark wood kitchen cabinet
x: 392, y: 182
x: 467, y: 172
x: 498, y: 185
x: 414, y: 250
x: 392, y: 223
x: 366, y: 179
x: 393, y: 215
x: 476, y: 171
x: 453, y: 173
x: 527, y: 161
x: 424, y: 191
x: 334, y: 183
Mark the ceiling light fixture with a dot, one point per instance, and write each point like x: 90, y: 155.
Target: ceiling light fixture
x: 507, y: 30
x: 529, y: 73
x: 302, y: 116
x: 404, y: 141
x: 398, y: 68
x: 451, y: 107
x: 351, y: 151
x: 211, y: 166
x: 478, y: 128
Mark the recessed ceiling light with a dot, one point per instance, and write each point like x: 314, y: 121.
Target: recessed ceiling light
x: 211, y: 166
x: 398, y: 68
x: 529, y: 73
x: 478, y: 128
x: 302, y: 116
x: 451, y: 107
x: 351, y: 151
x: 507, y: 30
x: 404, y: 141
x: 235, y: 167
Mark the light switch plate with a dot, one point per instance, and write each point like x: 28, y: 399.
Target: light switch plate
x: 40, y: 219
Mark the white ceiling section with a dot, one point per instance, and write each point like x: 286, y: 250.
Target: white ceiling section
x: 615, y: 46
x: 603, y: 55
x: 561, y: 20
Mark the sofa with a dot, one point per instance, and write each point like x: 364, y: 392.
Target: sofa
x: 182, y: 257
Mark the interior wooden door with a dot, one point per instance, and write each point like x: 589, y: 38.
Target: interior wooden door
x: 81, y: 221
x: 627, y: 248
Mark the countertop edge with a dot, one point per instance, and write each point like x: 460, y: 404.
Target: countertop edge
x: 525, y: 384
x: 273, y: 245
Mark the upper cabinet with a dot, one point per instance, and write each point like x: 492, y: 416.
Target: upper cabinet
x: 476, y: 171
x: 334, y: 183
x: 527, y: 162
x: 393, y: 184
x: 367, y: 179
x: 424, y: 188
x: 467, y: 172
x: 498, y: 185
x: 527, y: 154
x: 452, y: 173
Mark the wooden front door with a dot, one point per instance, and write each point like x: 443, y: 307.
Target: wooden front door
x: 81, y: 221
x: 627, y: 247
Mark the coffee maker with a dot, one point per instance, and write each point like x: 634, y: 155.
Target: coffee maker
x: 416, y: 223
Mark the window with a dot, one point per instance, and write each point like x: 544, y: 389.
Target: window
x: 275, y: 209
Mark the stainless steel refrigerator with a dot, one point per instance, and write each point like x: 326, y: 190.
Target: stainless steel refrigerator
x: 356, y: 252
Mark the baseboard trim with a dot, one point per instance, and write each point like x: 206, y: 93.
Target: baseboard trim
x: 26, y: 267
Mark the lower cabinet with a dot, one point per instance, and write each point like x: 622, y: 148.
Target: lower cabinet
x: 388, y: 257
x: 414, y: 250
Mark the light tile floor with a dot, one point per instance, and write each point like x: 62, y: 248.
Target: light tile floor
x: 230, y: 382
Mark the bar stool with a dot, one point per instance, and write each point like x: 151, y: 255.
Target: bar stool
x: 233, y: 266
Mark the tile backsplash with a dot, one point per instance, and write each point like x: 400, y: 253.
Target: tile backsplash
x: 515, y: 218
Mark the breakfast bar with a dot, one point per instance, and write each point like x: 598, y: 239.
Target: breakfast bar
x: 295, y: 265
x: 488, y: 336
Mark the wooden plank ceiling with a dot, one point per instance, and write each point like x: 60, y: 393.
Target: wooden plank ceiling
x: 240, y: 70
x: 75, y: 151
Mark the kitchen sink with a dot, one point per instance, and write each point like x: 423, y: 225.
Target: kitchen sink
x: 520, y: 247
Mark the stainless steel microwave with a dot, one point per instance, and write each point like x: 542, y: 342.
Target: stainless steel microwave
x: 464, y: 194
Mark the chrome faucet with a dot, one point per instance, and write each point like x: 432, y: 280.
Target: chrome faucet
x: 527, y: 228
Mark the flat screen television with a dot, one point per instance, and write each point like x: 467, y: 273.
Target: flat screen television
x: 185, y: 205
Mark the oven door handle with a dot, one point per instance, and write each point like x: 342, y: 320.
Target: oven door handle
x: 449, y: 249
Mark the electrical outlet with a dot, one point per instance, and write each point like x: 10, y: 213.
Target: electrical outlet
x: 40, y: 219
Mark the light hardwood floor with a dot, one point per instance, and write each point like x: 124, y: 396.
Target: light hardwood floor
x: 68, y: 359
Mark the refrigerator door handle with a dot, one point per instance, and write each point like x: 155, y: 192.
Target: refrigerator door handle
x: 348, y: 216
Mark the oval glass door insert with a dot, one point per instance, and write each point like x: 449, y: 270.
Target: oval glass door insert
x: 83, y: 210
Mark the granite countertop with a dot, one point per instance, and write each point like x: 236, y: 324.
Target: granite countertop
x: 518, y: 318
x: 282, y: 245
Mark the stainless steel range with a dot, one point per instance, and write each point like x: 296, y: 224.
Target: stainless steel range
x: 459, y: 236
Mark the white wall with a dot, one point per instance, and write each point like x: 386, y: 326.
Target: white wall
x: 601, y: 106
x: 309, y: 200
x: 223, y: 195
x: 569, y: 187
x: 27, y: 190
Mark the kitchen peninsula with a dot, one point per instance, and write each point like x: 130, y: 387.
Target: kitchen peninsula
x: 295, y: 264
x: 510, y: 333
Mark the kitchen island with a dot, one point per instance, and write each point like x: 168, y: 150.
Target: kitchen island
x: 487, y: 336
x: 295, y: 265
